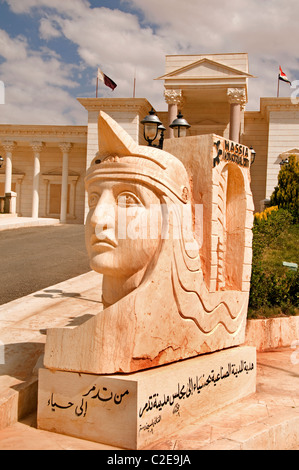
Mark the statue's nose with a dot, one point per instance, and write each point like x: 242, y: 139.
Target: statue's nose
x: 104, y: 212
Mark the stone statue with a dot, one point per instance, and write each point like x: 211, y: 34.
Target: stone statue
x: 140, y: 234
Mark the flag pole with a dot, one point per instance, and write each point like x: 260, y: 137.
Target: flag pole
x: 278, y: 87
x: 97, y: 86
x: 134, y: 87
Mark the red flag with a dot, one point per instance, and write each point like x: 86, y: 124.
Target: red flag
x: 282, y: 76
x: 106, y: 80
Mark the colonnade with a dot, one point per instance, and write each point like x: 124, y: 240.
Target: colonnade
x: 37, y: 148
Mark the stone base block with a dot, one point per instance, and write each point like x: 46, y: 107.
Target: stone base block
x: 135, y: 411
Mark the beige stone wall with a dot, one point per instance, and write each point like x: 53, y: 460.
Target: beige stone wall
x: 207, y: 118
x: 256, y: 135
x: 50, y: 162
x: 283, y: 136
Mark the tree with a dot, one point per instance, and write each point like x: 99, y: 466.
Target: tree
x: 286, y: 193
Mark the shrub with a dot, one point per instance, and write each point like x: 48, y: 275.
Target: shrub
x: 278, y: 286
x: 267, y: 226
x: 286, y: 193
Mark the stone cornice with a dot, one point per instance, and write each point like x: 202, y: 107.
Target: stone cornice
x: 42, y: 133
x: 268, y: 105
x: 140, y: 105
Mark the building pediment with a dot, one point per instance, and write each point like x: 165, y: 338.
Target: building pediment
x: 205, y: 69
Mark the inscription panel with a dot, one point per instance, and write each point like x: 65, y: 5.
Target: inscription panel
x: 135, y: 411
x: 192, y: 390
x: 92, y: 407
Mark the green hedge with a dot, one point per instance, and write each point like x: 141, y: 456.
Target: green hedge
x: 274, y: 287
x: 286, y: 193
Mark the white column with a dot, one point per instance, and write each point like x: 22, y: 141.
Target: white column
x: 47, y: 198
x: 19, y: 196
x: 65, y: 148
x: 174, y: 99
x: 8, y: 147
x: 237, y: 100
x: 73, y: 198
x: 36, y: 147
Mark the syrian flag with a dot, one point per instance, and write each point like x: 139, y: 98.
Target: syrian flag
x: 282, y: 76
x: 106, y: 80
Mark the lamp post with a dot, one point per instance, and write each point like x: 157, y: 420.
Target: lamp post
x: 1, y: 161
x: 154, y: 129
x: 161, y: 130
x: 151, y: 125
x: 284, y: 162
x: 180, y: 126
x: 253, y: 154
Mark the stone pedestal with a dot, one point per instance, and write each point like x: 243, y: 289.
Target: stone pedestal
x: 135, y: 411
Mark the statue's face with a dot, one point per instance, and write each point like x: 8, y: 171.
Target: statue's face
x: 122, y: 227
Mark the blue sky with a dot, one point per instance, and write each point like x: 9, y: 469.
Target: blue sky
x: 50, y: 49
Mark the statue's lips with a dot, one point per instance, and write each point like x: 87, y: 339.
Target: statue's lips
x: 102, y: 242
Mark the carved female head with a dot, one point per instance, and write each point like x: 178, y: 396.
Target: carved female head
x: 118, y: 227
x: 136, y: 195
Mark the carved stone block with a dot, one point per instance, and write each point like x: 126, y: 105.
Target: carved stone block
x: 135, y: 411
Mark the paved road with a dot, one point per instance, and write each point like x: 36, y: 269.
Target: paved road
x: 37, y: 257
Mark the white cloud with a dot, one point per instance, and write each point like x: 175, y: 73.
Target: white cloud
x: 226, y: 26
x: 120, y: 43
x: 111, y: 39
x: 12, y: 50
x: 48, y: 29
x: 35, y: 85
x: 114, y: 41
x: 267, y: 30
x: 71, y: 7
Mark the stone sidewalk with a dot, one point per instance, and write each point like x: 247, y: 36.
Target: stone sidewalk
x: 36, y: 257
x: 268, y: 419
x: 8, y: 221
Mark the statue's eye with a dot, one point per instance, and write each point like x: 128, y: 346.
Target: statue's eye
x: 128, y: 200
x: 93, y: 200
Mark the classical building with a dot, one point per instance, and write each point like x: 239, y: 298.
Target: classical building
x: 45, y: 165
